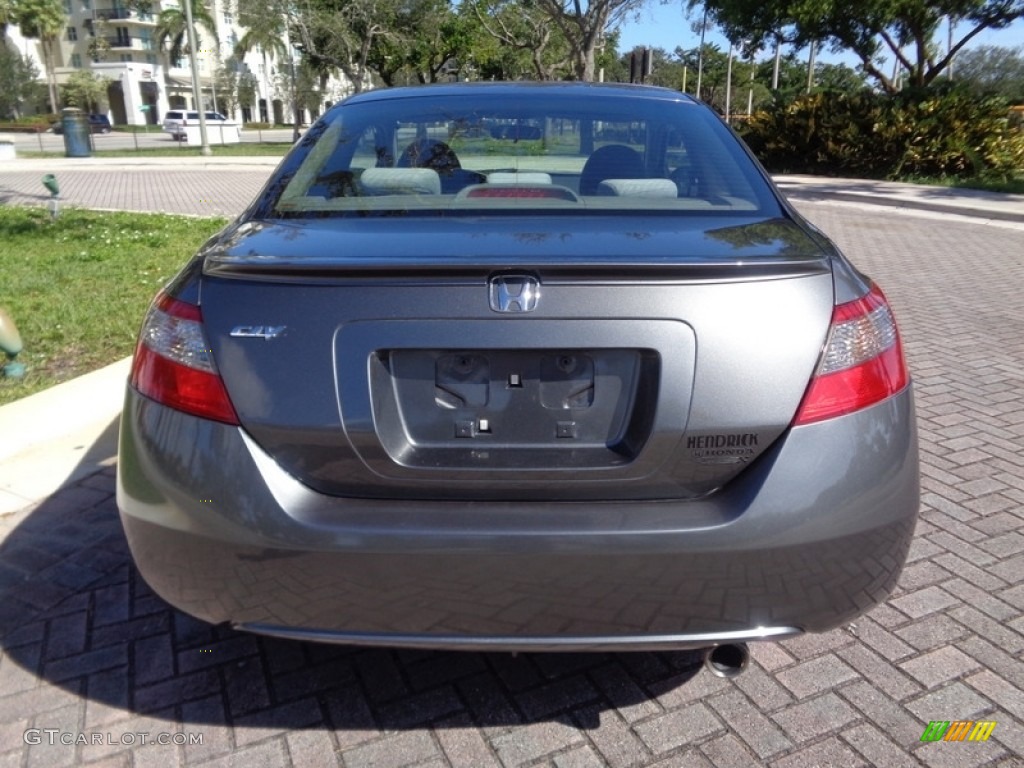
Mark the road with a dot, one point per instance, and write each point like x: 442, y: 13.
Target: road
x: 155, y: 138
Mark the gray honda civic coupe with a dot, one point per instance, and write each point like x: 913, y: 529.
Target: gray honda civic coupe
x: 520, y: 367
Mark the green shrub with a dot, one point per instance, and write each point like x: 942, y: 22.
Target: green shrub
x: 33, y: 124
x: 941, y: 131
x: 257, y: 126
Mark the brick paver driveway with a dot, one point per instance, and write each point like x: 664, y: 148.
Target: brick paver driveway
x: 91, y: 654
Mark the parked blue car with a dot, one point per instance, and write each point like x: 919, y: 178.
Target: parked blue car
x: 97, y: 124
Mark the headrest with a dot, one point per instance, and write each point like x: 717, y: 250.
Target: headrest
x: 400, y: 181
x: 638, y: 188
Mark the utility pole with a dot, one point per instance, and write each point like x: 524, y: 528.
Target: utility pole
x: 728, y: 85
x: 295, y: 87
x: 197, y: 91
x: 700, y: 51
x: 951, y: 20
x: 750, y: 89
x: 778, y: 63
x: 810, y: 65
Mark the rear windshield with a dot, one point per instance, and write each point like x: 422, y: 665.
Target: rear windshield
x: 515, y: 150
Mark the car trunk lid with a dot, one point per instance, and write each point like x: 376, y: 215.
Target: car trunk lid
x: 411, y: 363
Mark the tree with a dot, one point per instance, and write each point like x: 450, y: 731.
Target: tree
x: 6, y: 16
x: 86, y: 90
x: 264, y: 25
x: 437, y: 39
x: 666, y: 69
x: 837, y: 77
x: 872, y: 29
x: 584, y: 24
x: 99, y: 43
x: 827, y: 77
x: 713, y: 81
x: 303, y: 93
x: 418, y: 38
x: 44, y: 20
x: 528, y: 44
x: 226, y: 82
x: 994, y: 70
x: 18, y: 81
x: 342, y: 34
x: 248, y: 93
x: 172, y: 25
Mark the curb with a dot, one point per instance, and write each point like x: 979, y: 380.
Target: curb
x: 59, y: 435
x: 799, y: 192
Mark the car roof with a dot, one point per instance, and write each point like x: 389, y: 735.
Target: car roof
x: 523, y: 88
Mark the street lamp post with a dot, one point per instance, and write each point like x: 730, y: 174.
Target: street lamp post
x: 750, y: 88
x: 778, y: 62
x: 295, y: 97
x: 197, y: 91
x: 296, y: 120
x: 951, y: 21
x: 728, y: 84
x: 810, y: 65
x: 700, y: 51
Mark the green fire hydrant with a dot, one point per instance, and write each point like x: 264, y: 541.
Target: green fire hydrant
x: 50, y: 182
x: 10, y: 344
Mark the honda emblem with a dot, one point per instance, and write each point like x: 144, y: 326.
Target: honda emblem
x: 514, y: 293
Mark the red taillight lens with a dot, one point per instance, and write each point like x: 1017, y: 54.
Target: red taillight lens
x: 174, y: 365
x: 862, y: 363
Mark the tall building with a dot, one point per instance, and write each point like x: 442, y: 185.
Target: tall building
x: 118, y: 41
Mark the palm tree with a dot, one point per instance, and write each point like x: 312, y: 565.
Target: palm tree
x: 6, y: 17
x: 172, y: 25
x: 43, y: 20
x: 265, y: 32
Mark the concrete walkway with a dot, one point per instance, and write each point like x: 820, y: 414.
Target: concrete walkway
x: 977, y: 204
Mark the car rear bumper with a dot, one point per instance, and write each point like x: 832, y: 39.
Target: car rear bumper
x: 811, y: 535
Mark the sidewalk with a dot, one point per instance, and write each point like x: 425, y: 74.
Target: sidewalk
x: 991, y: 206
x: 44, y: 436
x: 58, y: 436
x: 189, y: 162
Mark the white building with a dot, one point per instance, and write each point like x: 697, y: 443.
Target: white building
x: 145, y: 83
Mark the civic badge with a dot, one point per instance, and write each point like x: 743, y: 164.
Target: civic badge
x: 514, y: 293
x: 257, y: 331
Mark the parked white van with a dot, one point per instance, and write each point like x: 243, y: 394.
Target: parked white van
x: 177, y: 120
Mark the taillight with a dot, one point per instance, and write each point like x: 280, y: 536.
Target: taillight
x: 174, y: 365
x: 862, y: 363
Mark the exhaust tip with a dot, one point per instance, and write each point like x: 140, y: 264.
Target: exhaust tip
x: 728, y: 661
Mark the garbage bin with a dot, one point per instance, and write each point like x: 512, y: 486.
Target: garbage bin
x: 76, y: 133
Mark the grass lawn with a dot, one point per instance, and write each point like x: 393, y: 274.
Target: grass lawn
x: 77, y: 287
x: 1013, y: 186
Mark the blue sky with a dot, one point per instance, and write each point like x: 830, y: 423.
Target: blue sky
x: 665, y: 26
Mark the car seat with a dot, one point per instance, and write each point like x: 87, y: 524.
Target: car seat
x: 434, y: 154
x: 613, y: 161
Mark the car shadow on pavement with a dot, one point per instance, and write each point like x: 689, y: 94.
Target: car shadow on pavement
x: 78, y: 625
x: 10, y: 196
